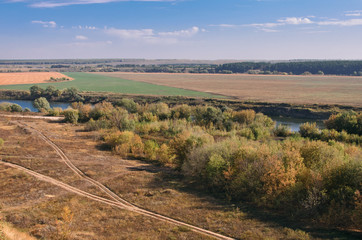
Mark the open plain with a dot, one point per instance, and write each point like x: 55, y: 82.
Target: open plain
x: 342, y: 90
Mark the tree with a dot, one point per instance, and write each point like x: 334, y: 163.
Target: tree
x: 36, y: 91
x: 41, y: 103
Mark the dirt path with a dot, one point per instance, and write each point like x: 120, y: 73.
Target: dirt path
x: 116, y: 202
x: 32, y: 117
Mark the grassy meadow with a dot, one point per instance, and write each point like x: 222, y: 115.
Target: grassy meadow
x: 99, y: 83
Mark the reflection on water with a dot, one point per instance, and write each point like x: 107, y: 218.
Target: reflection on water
x: 29, y: 104
x: 294, y: 123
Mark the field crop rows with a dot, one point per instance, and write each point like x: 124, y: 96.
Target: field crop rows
x: 267, y: 88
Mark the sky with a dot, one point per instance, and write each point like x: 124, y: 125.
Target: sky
x: 181, y: 29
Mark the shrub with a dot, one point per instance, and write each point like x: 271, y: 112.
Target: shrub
x: 181, y: 112
x: 16, y: 108
x: 151, y: 148
x: 185, y: 141
x: 161, y: 110
x: 120, y: 119
x: 125, y: 143
x: 41, y: 103
x: 244, y: 116
x: 92, y: 125
x: 164, y: 155
x: 71, y: 115
x: 282, y: 131
x: 55, y: 111
x: 128, y: 104
x: 84, y: 110
x: 1, y: 142
x: 351, y: 122
x: 5, y: 106
x: 309, y: 130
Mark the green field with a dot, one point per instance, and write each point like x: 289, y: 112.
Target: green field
x: 98, y: 83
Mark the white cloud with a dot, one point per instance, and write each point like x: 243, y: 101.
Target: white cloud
x: 85, y: 27
x: 63, y: 3
x: 283, y: 22
x: 151, y: 36
x: 50, y: 24
x: 130, y: 33
x: 182, y: 33
x: 356, y: 13
x: 295, y: 20
x: 81, y: 37
x: 223, y: 25
x: 349, y: 22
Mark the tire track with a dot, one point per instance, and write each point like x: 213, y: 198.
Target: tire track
x: 117, y: 201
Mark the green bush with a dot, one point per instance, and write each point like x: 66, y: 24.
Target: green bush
x: 309, y: 130
x: 71, y: 116
x: 16, y: 108
x: 282, y: 131
x: 351, y: 122
x: 41, y: 103
x: 151, y: 148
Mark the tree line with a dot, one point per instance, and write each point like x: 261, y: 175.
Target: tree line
x: 352, y: 68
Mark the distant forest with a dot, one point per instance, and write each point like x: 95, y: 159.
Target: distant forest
x: 307, y: 67
x: 329, y: 67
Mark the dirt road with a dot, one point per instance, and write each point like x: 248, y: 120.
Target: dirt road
x: 116, y: 200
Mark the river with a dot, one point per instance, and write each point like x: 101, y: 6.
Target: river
x: 29, y: 104
x: 293, y: 123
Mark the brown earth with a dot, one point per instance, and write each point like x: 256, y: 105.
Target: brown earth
x: 342, y: 90
x: 35, y: 206
x: 29, y: 77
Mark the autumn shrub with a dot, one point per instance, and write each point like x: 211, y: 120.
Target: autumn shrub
x: 244, y: 116
x: 84, y: 110
x: 120, y: 119
x: 165, y: 155
x: 16, y: 108
x: 343, y: 186
x: 100, y: 110
x: 125, y: 143
x: 181, y: 112
x: 128, y: 104
x: 93, y: 125
x: 350, y: 121
x: 151, y: 149
x: 57, y: 111
x: 161, y: 110
x: 148, y: 117
x: 321, y: 156
x: 185, y: 141
x: 282, y: 131
x: 5, y: 106
x: 309, y: 130
x: 71, y: 115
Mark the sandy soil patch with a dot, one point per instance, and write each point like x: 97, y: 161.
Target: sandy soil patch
x: 29, y: 77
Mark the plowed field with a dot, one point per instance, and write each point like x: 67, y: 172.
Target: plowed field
x: 28, y: 77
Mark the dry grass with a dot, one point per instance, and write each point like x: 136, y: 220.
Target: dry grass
x: 28, y: 77
x: 269, y: 88
x: 36, y: 206
x: 8, y: 232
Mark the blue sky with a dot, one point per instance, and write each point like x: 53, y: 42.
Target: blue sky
x: 181, y: 29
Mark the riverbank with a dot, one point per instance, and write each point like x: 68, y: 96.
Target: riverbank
x: 284, y: 110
